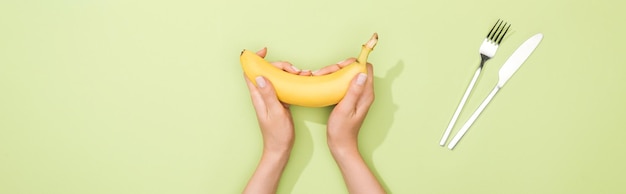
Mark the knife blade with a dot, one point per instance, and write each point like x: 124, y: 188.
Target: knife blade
x: 507, y: 70
x: 517, y: 58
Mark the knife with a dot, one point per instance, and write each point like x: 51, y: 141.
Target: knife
x: 506, y: 71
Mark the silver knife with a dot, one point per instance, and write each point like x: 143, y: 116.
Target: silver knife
x: 506, y: 71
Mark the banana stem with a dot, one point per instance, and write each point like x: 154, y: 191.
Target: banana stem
x: 367, y: 48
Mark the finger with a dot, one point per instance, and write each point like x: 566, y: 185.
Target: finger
x: 305, y: 73
x: 262, y: 52
x: 346, y: 62
x: 257, y: 99
x: 326, y: 70
x: 268, y: 94
x: 368, y: 96
x: 369, y: 84
x: 286, y: 66
x: 350, y: 100
x: 334, y: 67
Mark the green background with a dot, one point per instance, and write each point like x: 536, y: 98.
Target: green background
x: 148, y: 96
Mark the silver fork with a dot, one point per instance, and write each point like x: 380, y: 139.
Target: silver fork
x: 487, y: 50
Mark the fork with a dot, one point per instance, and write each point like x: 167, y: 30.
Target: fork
x: 487, y: 50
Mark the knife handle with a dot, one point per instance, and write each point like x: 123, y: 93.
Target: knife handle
x: 473, y: 118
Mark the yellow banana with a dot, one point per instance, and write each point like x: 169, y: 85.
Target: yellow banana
x: 309, y: 91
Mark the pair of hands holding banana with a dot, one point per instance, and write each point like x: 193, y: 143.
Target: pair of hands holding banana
x: 343, y: 126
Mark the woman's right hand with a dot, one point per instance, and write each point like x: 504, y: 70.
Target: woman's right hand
x: 277, y: 130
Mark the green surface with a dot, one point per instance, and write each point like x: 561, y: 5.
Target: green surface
x: 148, y: 96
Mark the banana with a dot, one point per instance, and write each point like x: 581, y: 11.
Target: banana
x: 308, y: 91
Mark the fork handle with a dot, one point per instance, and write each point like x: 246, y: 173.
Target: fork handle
x: 471, y: 120
x: 459, y: 108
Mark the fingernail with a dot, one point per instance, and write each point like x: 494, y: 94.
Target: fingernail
x: 361, y: 79
x: 295, y: 68
x: 340, y: 62
x: 315, y: 72
x: 260, y: 81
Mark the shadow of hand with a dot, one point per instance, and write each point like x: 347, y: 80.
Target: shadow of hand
x: 380, y: 118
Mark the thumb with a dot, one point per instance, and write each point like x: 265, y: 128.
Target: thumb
x: 354, y: 92
x: 267, y: 92
x: 262, y: 52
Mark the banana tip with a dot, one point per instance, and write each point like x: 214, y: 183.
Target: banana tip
x: 372, y: 42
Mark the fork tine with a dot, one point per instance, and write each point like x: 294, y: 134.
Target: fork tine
x: 505, y: 31
x: 495, y: 37
x: 494, y: 27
